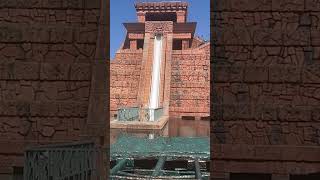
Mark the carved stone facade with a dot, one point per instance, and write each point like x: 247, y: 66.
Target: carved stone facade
x: 190, y: 82
x: 185, y: 72
x: 155, y: 27
x: 49, y: 53
x: 265, y: 105
x: 124, y: 82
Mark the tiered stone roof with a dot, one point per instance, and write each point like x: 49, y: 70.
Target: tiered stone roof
x: 161, y: 6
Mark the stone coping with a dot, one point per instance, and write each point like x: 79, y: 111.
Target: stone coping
x: 165, y: 5
x: 144, y: 125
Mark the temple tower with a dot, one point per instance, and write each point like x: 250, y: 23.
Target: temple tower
x: 161, y: 32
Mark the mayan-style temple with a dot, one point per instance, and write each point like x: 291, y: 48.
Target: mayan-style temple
x: 162, y: 67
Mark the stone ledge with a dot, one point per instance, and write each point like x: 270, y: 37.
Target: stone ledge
x: 244, y: 152
x: 139, y: 125
x: 264, y: 167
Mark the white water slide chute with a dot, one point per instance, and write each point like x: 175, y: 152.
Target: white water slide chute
x: 155, y: 82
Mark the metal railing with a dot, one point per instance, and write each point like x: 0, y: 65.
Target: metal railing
x: 133, y: 114
x: 128, y: 114
x: 130, y: 152
x: 124, y: 169
x: 153, y: 114
x: 60, y: 162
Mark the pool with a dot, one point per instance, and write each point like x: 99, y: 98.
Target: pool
x: 181, y: 150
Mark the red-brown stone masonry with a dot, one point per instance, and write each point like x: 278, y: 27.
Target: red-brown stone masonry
x: 163, y: 70
x: 147, y: 74
x: 189, y: 92
x: 190, y: 82
x: 181, y: 16
x: 45, y: 73
x: 147, y: 46
x: 167, y: 74
x: 125, y: 75
x: 265, y: 105
x: 196, y: 42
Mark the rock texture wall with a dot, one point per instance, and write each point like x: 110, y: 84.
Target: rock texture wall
x: 49, y: 51
x: 266, y: 87
x: 125, y: 74
x: 190, y: 82
x: 190, y: 77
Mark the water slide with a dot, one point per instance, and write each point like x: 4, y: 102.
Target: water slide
x: 155, y: 82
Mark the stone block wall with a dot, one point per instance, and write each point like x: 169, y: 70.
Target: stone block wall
x: 189, y: 87
x: 47, y: 53
x: 125, y: 74
x: 265, y: 88
x: 190, y: 82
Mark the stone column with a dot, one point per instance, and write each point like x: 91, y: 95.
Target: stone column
x: 163, y: 66
x: 141, y: 17
x: 185, y: 44
x: 133, y: 44
x: 142, y: 82
x: 167, y: 75
x: 98, y: 117
x: 181, y: 16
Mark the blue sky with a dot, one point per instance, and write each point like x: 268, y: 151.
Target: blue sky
x: 123, y: 11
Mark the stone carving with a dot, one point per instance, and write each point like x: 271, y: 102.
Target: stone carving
x: 267, y: 82
x: 159, y: 27
x: 39, y: 101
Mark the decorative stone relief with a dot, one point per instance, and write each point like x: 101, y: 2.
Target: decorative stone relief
x: 159, y: 27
